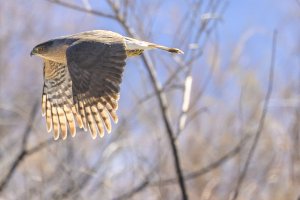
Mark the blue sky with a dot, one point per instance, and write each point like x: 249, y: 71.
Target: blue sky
x: 258, y: 19
x: 263, y: 17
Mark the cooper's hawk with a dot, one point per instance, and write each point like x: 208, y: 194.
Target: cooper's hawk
x: 82, y: 76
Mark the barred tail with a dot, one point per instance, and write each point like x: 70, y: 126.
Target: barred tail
x: 171, y: 50
x: 136, y: 47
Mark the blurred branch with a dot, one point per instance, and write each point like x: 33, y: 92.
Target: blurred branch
x: 262, y: 119
x: 82, y: 9
x: 209, y: 75
x: 204, y: 31
x: 295, y: 140
x: 86, y: 4
x: 23, y: 152
x: 185, y: 104
x: 39, y: 146
x: 161, y: 99
x: 135, y: 190
x: 209, y: 168
x: 166, y: 87
x: 189, y: 176
x: 83, y: 180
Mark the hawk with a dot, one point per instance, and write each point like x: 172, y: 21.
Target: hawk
x: 82, y: 77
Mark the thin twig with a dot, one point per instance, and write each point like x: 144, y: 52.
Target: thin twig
x: 22, y: 153
x: 82, y: 9
x: 208, y: 77
x: 261, y: 121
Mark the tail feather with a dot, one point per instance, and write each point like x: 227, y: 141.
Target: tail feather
x: 171, y: 50
x: 133, y: 45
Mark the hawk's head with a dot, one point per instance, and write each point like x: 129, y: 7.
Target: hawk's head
x: 54, y: 50
x: 42, y: 48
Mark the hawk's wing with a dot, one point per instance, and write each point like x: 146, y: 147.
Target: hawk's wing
x: 57, y: 100
x: 96, y: 71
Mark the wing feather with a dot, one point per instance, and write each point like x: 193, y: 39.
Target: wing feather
x: 49, y: 116
x: 98, y: 120
x: 57, y: 100
x: 91, y: 125
x: 62, y: 122
x: 82, y: 114
x: 77, y: 116
x: 56, y: 128
x: 44, y: 104
x: 96, y: 70
x: 70, y: 120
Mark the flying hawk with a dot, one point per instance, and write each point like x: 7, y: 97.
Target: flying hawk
x: 82, y: 77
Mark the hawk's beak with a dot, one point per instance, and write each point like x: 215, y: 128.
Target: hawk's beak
x: 32, y: 52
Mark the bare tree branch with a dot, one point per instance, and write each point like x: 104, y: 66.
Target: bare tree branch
x: 162, y: 102
x: 209, y: 168
x: 189, y: 176
x: 261, y: 121
x: 22, y: 153
x: 83, y: 179
x: 185, y: 105
x: 135, y: 190
x: 163, y: 108
x: 40, y: 146
x: 82, y: 9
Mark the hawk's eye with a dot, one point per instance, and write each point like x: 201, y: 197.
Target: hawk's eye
x: 40, y: 49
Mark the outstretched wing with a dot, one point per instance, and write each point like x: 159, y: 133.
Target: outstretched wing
x: 96, y: 69
x: 57, y: 100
